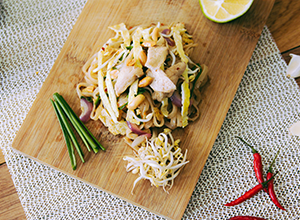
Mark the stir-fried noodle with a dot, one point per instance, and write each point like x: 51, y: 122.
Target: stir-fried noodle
x: 143, y: 78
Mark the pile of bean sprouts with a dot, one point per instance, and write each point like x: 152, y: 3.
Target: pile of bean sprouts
x: 158, y: 160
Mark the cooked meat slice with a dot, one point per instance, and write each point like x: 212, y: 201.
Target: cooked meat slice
x: 164, y: 83
x: 156, y: 56
x: 126, y: 76
x: 160, y: 83
x: 175, y: 71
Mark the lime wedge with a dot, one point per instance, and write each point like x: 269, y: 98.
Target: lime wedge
x: 222, y: 11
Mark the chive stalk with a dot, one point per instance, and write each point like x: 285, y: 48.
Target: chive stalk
x: 69, y: 130
x: 78, y: 124
x: 82, y: 136
x: 67, y: 138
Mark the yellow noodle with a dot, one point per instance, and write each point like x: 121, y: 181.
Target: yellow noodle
x: 150, y: 114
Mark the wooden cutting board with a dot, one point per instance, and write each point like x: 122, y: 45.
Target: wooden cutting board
x: 225, y: 48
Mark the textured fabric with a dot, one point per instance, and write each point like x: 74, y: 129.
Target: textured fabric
x: 266, y: 104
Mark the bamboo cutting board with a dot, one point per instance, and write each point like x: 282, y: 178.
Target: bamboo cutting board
x: 225, y: 48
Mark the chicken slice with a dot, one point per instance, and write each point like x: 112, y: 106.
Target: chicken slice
x: 175, y: 71
x: 156, y: 56
x: 160, y: 83
x: 126, y: 76
x: 164, y: 83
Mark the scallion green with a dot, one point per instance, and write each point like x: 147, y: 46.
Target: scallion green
x: 78, y: 124
x: 67, y: 137
x: 64, y: 112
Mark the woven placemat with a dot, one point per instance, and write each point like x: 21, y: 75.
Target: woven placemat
x: 266, y: 104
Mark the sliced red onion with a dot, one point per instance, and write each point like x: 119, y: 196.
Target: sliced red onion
x: 168, y: 39
x: 86, y: 108
x: 176, y: 99
x: 135, y: 129
x: 166, y: 31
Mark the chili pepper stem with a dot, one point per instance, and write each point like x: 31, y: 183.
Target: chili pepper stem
x: 265, y: 184
x: 257, y: 163
x: 270, y: 167
x: 252, y: 148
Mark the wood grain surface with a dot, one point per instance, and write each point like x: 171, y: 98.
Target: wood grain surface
x: 225, y: 48
x: 283, y: 22
x: 2, y: 160
x: 10, y: 206
x: 282, y: 40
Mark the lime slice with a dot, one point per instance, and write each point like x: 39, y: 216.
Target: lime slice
x: 222, y: 11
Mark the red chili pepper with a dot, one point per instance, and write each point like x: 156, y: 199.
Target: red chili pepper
x: 271, y: 190
x: 250, y: 192
x: 257, y: 164
x: 246, y: 218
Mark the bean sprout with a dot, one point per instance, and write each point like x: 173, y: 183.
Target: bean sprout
x: 159, y: 161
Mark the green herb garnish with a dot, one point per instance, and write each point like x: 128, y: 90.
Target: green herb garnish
x: 88, y: 98
x: 123, y: 106
x: 141, y: 90
x: 97, y: 101
x: 129, y: 47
